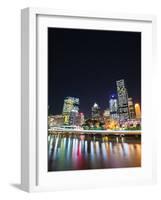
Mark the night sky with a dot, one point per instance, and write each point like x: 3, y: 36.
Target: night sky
x: 87, y: 63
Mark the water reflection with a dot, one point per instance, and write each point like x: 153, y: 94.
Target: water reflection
x: 74, y: 152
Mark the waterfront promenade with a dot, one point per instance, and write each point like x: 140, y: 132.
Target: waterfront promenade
x: 96, y: 132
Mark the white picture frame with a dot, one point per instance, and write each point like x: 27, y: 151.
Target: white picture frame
x: 34, y: 22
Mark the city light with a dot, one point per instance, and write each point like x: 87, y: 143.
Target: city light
x: 94, y: 99
x: 137, y: 111
x: 120, y: 114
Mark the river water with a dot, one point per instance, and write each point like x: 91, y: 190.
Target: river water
x: 80, y: 152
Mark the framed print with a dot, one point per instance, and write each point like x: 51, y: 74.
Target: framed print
x: 87, y: 109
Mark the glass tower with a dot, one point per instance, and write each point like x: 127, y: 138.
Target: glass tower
x: 113, y: 105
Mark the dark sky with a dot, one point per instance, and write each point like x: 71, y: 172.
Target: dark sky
x: 87, y: 63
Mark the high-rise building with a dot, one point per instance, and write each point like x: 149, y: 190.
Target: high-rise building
x: 70, y: 107
x: 106, y: 113
x: 122, y: 94
x: 76, y: 118
x: 80, y: 119
x: 106, y: 118
x: 73, y: 117
x: 113, y: 105
x: 137, y: 111
x: 131, y: 108
x: 96, y: 112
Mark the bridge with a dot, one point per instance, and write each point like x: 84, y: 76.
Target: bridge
x: 96, y: 132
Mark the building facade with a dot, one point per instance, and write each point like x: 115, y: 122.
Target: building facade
x: 55, y: 121
x: 73, y: 117
x: 76, y: 118
x: 131, y: 108
x: 122, y: 94
x: 113, y: 105
x: 106, y: 113
x: 70, y: 109
x: 137, y: 111
x: 81, y: 119
x: 96, y: 114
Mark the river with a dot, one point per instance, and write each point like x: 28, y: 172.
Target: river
x: 80, y: 152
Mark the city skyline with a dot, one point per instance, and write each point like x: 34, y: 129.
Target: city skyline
x: 87, y: 63
x: 112, y: 105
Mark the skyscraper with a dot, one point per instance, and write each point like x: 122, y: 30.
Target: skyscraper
x: 96, y: 112
x: 70, y: 107
x: 122, y: 100
x: 113, y: 105
x: 131, y: 108
x: 137, y: 111
x: 73, y: 117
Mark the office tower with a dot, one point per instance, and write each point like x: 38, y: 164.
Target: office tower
x: 137, y: 111
x: 106, y: 114
x: 113, y: 105
x: 73, y: 117
x: 79, y: 119
x: 106, y: 118
x: 70, y: 107
x: 96, y: 112
x: 131, y: 108
x: 76, y: 118
x: 122, y: 100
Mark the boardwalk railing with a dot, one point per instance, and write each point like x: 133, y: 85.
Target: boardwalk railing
x: 93, y: 132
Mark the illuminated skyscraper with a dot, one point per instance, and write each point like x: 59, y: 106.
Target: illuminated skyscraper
x: 96, y: 112
x: 137, y: 111
x: 131, y: 108
x: 113, y: 105
x: 122, y: 100
x: 70, y: 107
